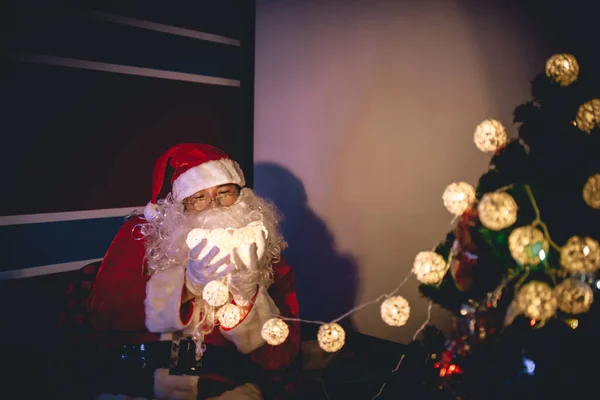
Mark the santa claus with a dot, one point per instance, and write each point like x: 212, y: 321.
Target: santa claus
x: 150, y: 294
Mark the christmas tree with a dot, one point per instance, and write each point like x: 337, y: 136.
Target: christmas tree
x: 520, y: 271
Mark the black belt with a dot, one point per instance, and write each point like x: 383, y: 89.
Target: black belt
x: 179, y: 357
x: 141, y: 360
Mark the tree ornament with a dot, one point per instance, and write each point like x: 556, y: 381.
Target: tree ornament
x: 588, y: 116
x: 275, y: 331
x: 229, y: 315
x: 591, y: 191
x: 490, y: 135
x: 331, y: 337
x: 537, y: 300
x: 215, y: 293
x: 580, y: 255
x: 527, y: 245
x: 429, y: 267
x: 574, y: 296
x: 562, y: 69
x: 458, y: 196
x: 395, y: 311
x: 497, y: 210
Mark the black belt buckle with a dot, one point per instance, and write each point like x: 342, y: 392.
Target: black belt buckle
x: 183, y: 358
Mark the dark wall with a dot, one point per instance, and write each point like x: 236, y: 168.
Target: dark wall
x: 93, y: 94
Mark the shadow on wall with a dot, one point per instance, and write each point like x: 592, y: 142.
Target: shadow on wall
x: 326, y: 281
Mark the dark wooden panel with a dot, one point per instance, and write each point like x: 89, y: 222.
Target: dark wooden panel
x: 78, y: 139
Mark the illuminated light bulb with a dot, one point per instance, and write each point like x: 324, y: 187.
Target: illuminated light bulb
x: 275, y: 331
x: 562, y: 69
x: 591, y: 192
x: 521, y: 241
x: 574, y: 296
x: 542, y: 255
x: 598, y: 284
x: 331, y: 337
x: 573, y: 323
x: 497, y: 210
x: 588, y: 116
x: 228, y: 239
x: 537, y: 300
x: 580, y: 255
x: 490, y: 135
x: 229, y: 315
x: 215, y: 293
x: 395, y: 311
x: 429, y: 267
x: 458, y: 196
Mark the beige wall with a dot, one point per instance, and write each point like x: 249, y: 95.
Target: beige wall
x: 372, y: 106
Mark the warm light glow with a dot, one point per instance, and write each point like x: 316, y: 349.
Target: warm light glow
x: 331, y: 337
x: 497, y: 210
x: 588, y: 116
x: 429, y: 267
x: 395, y: 311
x: 580, y: 255
x: 591, y: 192
x: 574, y: 296
x: 562, y: 69
x: 228, y: 239
x: 229, y: 315
x: 215, y: 293
x: 458, y: 196
x: 490, y: 135
x: 520, y: 242
x: 537, y: 300
x: 275, y: 331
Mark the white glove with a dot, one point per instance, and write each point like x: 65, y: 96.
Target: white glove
x: 247, y: 391
x: 174, y: 387
x: 243, y: 283
x: 200, y: 272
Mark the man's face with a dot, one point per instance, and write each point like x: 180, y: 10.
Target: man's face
x: 216, y: 196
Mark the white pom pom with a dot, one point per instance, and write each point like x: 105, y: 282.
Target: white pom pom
x: 151, y: 211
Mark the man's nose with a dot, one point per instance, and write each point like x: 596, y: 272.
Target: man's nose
x: 212, y: 204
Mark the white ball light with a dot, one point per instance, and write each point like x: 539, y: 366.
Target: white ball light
x: 229, y: 315
x: 215, y: 293
x: 497, y: 210
x: 580, y: 255
x: 574, y: 296
x: 331, y: 337
x: 591, y: 192
x: 429, y: 267
x: 490, y: 135
x: 458, y: 196
x: 275, y: 331
x: 395, y: 311
x: 537, y: 300
x: 521, y: 241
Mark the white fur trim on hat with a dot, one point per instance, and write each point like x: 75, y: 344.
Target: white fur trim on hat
x: 247, y: 335
x: 163, y: 301
x: 150, y: 211
x: 206, y: 175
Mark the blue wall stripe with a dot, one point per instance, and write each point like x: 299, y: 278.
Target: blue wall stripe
x: 31, y: 245
x: 90, y: 39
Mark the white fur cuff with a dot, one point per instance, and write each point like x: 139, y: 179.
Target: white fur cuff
x: 247, y: 391
x: 206, y: 175
x: 247, y: 335
x: 163, y: 301
x: 174, y: 386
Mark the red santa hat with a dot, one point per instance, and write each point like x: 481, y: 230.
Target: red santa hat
x: 196, y: 167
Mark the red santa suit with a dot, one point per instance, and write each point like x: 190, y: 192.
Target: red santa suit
x: 145, y: 308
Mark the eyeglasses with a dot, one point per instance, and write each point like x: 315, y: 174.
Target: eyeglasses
x: 223, y: 199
